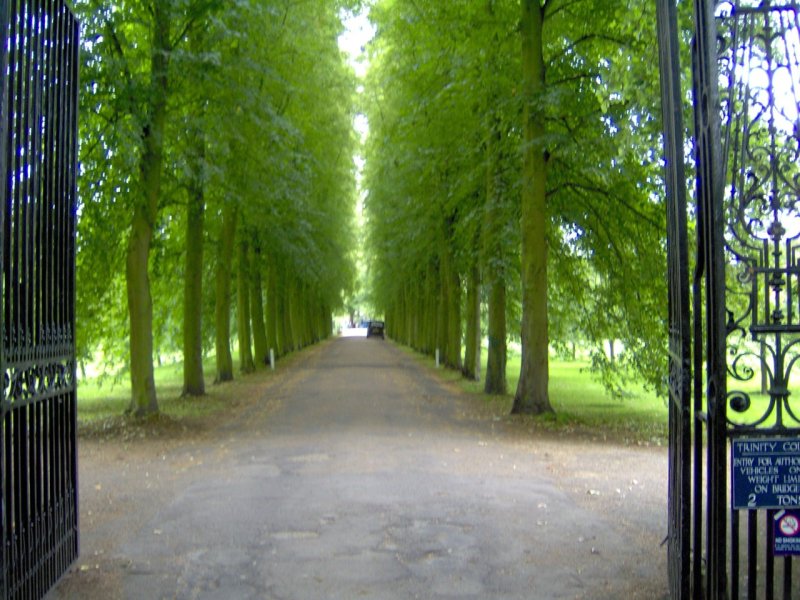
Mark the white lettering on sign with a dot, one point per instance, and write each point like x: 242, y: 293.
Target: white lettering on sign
x: 786, y: 489
x: 765, y: 473
x: 757, y: 447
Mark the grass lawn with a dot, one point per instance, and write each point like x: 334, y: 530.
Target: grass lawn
x: 579, y: 401
x: 102, y: 403
x: 580, y: 404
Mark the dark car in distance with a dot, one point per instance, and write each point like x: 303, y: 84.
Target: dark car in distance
x: 375, y: 329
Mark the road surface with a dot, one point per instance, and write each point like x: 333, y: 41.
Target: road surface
x: 355, y: 473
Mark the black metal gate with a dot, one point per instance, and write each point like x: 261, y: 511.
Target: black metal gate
x: 733, y: 352
x: 38, y: 145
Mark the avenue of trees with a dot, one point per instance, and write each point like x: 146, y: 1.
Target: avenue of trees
x: 515, y: 185
x: 216, y: 183
x: 513, y: 178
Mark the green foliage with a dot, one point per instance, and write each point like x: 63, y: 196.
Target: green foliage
x: 582, y: 404
x: 260, y: 108
x: 444, y: 87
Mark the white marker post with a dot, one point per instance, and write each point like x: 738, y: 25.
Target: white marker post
x: 272, y: 359
x: 437, y: 358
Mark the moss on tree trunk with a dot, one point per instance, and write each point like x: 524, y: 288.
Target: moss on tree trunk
x: 260, y: 347
x: 532, y: 391
x: 246, y: 364
x: 140, y: 309
x: 222, y: 305
x: 193, y: 378
x: 145, y: 212
x: 472, y: 350
x: 496, y: 359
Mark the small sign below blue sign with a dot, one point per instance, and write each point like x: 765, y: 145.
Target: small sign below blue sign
x: 765, y: 473
x: 787, y: 533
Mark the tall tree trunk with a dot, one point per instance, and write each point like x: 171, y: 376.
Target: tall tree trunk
x: 286, y: 314
x: 280, y: 315
x: 415, y: 306
x: 193, y: 378
x: 454, y: 319
x: 299, y: 316
x: 222, y: 307
x: 472, y: 351
x: 261, y: 349
x: 294, y: 322
x: 410, y: 310
x: 243, y: 307
x: 494, y: 224
x: 315, y: 321
x: 140, y: 302
x: 399, y: 312
x: 498, y: 350
x: 272, y: 310
x: 432, y: 309
x: 327, y: 321
x: 140, y: 309
x: 532, y: 391
x: 441, y: 311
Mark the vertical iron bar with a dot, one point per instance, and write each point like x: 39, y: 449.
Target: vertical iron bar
x: 769, y: 575
x: 70, y: 134
x: 71, y: 193
x: 698, y: 523
x: 709, y: 196
x: 752, y: 554
x: 4, y: 415
x: 48, y: 199
x: 735, y: 541
x: 679, y: 509
x: 700, y: 416
x: 40, y: 549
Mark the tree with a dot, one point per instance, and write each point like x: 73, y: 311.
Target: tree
x: 197, y: 113
x: 572, y: 137
x: 532, y: 394
x: 135, y: 94
x: 243, y: 279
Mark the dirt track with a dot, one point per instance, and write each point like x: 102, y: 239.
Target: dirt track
x: 353, y: 473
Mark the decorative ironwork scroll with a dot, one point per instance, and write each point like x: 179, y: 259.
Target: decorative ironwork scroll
x: 760, y: 83
x: 38, y: 149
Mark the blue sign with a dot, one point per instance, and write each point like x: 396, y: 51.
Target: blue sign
x: 765, y: 473
x: 787, y: 533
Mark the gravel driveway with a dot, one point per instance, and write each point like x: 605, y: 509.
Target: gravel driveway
x: 354, y: 473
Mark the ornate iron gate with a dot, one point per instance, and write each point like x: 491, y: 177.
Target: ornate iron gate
x: 745, y: 291
x: 38, y: 147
